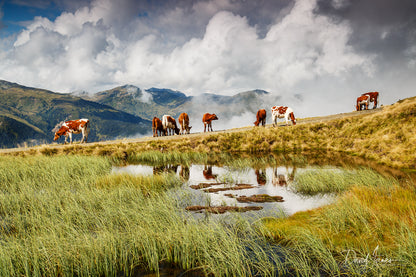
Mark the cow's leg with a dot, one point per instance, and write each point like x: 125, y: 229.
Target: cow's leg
x: 70, y: 138
x: 87, y: 131
x: 205, y: 126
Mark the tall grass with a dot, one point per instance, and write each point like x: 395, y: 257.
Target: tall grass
x: 323, y: 181
x: 369, y: 230
x: 66, y: 216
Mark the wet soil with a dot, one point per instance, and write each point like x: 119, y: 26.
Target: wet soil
x: 235, y: 187
x: 259, y: 198
x: 205, y: 185
x: 223, y: 209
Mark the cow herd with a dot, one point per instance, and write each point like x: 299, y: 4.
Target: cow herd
x: 168, y: 126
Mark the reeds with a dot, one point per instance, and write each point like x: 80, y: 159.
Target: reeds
x: 323, y: 181
x: 369, y: 230
x: 66, y: 216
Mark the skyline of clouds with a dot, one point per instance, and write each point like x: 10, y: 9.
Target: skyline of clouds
x: 318, y: 55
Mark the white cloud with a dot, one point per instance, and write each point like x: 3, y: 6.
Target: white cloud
x: 203, y: 48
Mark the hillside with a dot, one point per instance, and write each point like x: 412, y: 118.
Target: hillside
x: 143, y: 103
x: 158, y: 102
x: 385, y: 136
x: 28, y: 115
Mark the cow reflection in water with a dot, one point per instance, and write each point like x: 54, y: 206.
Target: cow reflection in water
x: 184, y: 172
x: 261, y: 176
x: 169, y: 168
x: 207, y: 172
x: 281, y: 179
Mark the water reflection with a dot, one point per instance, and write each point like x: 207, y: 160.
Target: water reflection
x: 261, y: 176
x: 282, y: 178
x: 233, y: 184
x: 207, y: 172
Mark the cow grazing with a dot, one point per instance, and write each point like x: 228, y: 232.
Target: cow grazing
x: 373, y: 97
x: 207, y: 120
x: 184, y: 123
x: 169, y: 125
x: 157, y: 127
x: 363, y: 100
x: 283, y: 112
x: 261, y: 117
x: 74, y: 127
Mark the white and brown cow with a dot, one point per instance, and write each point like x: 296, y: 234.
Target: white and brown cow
x: 363, y: 101
x: 184, y: 123
x: 169, y: 124
x: 373, y: 97
x: 74, y: 127
x: 283, y: 112
x: 157, y: 127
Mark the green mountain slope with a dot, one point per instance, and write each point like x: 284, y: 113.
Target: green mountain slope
x: 157, y: 102
x: 38, y: 111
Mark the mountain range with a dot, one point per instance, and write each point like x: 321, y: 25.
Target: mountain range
x: 30, y: 116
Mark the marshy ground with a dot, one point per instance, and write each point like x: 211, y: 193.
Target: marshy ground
x: 64, y: 213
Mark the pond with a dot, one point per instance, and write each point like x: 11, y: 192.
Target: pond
x: 267, y: 189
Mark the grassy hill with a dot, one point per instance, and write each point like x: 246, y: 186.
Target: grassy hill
x: 146, y: 104
x: 158, y: 102
x: 386, y: 136
x: 30, y: 114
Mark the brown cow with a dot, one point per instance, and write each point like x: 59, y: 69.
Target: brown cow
x: 157, y: 127
x: 184, y: 123
x: 169, y: 124
x: 363, y: 100
x: 261, y: 117
x: 373, y: 97
x: 207, y: 120
x: 74, y: 127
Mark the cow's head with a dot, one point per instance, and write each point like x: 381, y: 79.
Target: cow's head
x: 256, y: 123
x: 57, y: 136
x: 61, y: 132
x: 214, y: 117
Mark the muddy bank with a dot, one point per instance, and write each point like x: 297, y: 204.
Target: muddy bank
x: 222, y: 209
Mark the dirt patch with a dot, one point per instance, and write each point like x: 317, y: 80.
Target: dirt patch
x: 236, y: 187
x: 222, y: 209
x: 205, y: 185
x: 260, y: 198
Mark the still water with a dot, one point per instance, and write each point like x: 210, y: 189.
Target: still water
x: 224, y: 181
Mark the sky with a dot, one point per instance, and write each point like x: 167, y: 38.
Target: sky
x: 317, y: 55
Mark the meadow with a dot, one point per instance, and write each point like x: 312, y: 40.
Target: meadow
x: 63, y: 213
